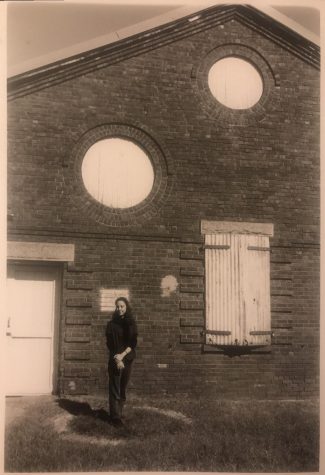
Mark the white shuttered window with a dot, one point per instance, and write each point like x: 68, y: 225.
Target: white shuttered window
x: 237, y: 288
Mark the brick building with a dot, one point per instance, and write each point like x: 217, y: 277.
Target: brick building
x: 215, y: 236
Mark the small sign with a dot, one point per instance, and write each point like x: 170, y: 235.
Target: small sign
x: 108, y: 297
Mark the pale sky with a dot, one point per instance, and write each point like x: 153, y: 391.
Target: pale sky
x: 36, y: 28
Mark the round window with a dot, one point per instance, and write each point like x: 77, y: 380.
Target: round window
x: 235, y: 83
x: 117, y: 173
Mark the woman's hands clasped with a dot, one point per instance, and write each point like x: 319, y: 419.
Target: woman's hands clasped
x: 119, y: 360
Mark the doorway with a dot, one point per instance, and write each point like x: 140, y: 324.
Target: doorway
x: 33, y: 292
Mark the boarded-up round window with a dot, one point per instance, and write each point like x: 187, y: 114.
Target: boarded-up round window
x: 235, y: 83
x: 117, y: 173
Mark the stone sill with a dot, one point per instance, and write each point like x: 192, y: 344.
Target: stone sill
x: 230, y: 350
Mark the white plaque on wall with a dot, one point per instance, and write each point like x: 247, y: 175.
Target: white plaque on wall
x: 108, y: 297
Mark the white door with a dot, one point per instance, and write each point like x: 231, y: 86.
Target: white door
x: 32, y: 305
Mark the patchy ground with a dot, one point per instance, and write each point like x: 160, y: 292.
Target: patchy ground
x: 17, y: 407
x: 161, y: 434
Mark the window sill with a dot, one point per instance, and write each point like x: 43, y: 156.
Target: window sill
x: 232, y: 350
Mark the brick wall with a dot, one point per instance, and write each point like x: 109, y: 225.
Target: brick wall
x: 261, y: 169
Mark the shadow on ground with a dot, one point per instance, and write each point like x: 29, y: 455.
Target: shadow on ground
x: 140, y: 421
x: 77, y: 408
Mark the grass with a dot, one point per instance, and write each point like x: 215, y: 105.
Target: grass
x: 250, y: 436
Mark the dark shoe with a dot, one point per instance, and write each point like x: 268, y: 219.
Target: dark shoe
x: 117, y: 422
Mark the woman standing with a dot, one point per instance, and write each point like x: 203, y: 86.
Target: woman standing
x: 121, y: 338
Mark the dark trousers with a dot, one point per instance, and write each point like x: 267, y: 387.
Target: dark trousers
x: 118, y: 381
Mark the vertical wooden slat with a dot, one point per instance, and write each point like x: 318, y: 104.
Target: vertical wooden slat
x: 207, y: 284
x: 223, y: 284
x: 237, y: 281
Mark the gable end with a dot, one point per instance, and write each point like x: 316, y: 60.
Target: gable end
x: 81, y: 64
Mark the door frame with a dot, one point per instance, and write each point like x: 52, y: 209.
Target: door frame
x: 58, y: 275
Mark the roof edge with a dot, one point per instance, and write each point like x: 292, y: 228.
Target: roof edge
x: 146, y: 25
x: 131, y: 46
x: 288, y: 22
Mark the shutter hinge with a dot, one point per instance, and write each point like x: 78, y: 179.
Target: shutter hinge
x: 215, y: 246
x: 256, y: 248
x: 215, y: 332
x: 262, y: 332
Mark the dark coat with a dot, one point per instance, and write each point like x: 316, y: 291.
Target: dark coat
x: 121, y: 333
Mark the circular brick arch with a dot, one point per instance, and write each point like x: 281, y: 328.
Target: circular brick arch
x: 133, y: 215
x: 225, y: 115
